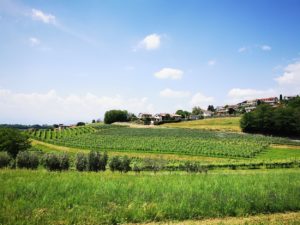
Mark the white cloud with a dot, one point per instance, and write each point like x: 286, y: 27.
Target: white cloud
x: 169, y: 93
x: 34, y: 41
x: 171, y: 73
x: 150, y: 42
x: 51, y: 107
x: 211, y: 62
x: 266, y: 48
x: 201, y: 100
x: 291, y: 75
x: 238, y: 94
x: 43, y: 17
x: 243, y: 49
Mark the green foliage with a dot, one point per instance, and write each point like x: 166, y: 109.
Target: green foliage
x: 211, y: 108
x: 197, y: 111
x: 81, y: 162
x: 115, y: 164
x: 4, y: 159
x: 56, y: 162
x: 80, y: 124
x: 283, y: 120
x: 27, y: 160
x: 125, y: 164
x: 94, y: 159
x: 115, y: 116
x: 64, y: 161
x: 13, y: 141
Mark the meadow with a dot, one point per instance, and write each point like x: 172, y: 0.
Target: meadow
x: 41, y: 197
x: 227, y: 124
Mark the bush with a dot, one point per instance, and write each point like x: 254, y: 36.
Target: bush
x: 115, y: 116
x: 13, y: 141
x: 94, y: 161
x: 103, y: 161
x: 115, y: 164
x: 4, y: 159
x: 81, y: 162
x: 64, y: 162
x: 52, y: 162
x: 125, y: 164
x: 27, y: 160
x: 120, y: 164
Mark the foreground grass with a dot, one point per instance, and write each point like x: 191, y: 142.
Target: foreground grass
x: 218, y: 124
x: 41, y: 197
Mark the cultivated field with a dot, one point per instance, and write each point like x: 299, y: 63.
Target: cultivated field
x: 171, y: 141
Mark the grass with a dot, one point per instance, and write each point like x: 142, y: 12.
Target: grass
x: 41, y: 197
x: 231, y: 124
x: 280, y: 152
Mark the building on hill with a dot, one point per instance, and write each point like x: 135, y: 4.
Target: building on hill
x: 207, y: 113
x: 270, y: 101
x: 290, y: 97
x: 143, y: 116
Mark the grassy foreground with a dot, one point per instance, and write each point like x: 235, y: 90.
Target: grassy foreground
x: 41, y: 197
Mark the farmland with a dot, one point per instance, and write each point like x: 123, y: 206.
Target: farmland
x: 40, y: 197
x: 162, y: 141
x: 231, y: 124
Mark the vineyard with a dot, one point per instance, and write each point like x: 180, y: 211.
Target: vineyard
x: 175, y: 141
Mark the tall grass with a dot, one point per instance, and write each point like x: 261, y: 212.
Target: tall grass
x: 40, y: 197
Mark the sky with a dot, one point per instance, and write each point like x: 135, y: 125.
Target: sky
x: 68, y: 61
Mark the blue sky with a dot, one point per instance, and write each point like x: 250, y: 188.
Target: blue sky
x: 67, y: 61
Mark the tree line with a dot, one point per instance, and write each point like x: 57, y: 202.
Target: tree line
x: 283, y: 120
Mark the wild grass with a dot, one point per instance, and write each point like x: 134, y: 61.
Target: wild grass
x: 40, y: 197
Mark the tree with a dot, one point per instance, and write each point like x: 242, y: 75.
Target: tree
x: 81, y: 162
x: 13, y: 141
x: 115, y: 164
x: 93, y: 121
x: 125, y: 164
x: 183, y: 114
x: 80, y: 124
x: 197, y: 111
x: 211, y: 108
x: 112, y: 116
x: 94, y: 159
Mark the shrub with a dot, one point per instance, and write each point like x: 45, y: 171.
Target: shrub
x: 103, y: 161
x: 81, y: 162
x: 52, y: 162
x: 115, y: 164
x: 27, y: 160
x: 136, y: 168
x: 4, y: 159
x: 64, y: 162
x: 13, y: 141
x: 125, y: 164
x: 120, y: 164
x: 94, y: 161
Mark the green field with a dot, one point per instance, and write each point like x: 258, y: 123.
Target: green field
x: 40, y: 197
x: 163, y: 141
x: 231, y: 124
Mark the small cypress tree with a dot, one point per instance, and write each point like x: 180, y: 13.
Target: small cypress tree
x: 81, y: 162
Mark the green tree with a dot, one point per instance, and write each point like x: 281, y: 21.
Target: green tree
x: 211, y: 108
x: 112, y: 116
x: 197, y: 111
x: 13, y: 141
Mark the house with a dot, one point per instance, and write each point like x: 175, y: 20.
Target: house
x: 144, y: 116
x: 176, y: 117
x: 162, y: 117
x: 222, y: 111
x: 194, y: 117
x: 207, y: 113
x: 270, y: 101
x: 290, y: 97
